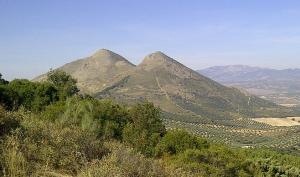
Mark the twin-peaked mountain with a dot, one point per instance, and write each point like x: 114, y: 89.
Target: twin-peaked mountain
x: 175, y: 88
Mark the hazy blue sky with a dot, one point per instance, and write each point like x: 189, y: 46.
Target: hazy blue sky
x: 36, y: 35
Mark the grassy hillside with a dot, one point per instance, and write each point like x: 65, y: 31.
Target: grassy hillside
x: 96, y: 72
x: 168, y: 84
x: 178, y: 89
x: 76, y: 135
x: 196, y: 103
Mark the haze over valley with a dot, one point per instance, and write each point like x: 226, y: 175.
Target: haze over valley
x: 279, y: 86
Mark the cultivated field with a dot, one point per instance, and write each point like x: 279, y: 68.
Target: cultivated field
x: 289, y: 121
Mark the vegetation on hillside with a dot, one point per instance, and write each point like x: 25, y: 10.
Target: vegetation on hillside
x: 49, y: 129
x: 169, y: 84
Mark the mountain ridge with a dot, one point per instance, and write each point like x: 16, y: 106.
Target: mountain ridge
x: 167, y: 83
x: 277, y: 85
x: 244, y: 72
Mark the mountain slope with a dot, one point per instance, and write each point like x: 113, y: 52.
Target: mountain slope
x: 188, y: 99
x: 98, y: 71
x: 280, y: 86
x: 175, y: 88
x: 182, y: 91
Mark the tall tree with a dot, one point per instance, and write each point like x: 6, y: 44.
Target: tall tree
x: 3, y: 81
x: 145, y: 128
x: 63, y: 82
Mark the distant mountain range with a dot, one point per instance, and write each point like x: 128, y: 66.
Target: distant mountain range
x: 242, y: 73
x: 175, y: 88
x: 280, y: 86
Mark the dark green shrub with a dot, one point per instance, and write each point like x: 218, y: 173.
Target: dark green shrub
x: 3, y: 81
x: 176, y: 141
x: 63, y: 82
x: 8, y: 122
x: 103, y: 117
x: 145, y: 128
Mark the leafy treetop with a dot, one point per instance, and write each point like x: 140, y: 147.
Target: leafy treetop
x: 63, y: 82
x: 3, y: 81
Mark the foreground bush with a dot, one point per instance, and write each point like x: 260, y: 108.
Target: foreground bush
x: 123, y: 161
x: 103, y: 118
x: 8, y: 121
x: 44, y: 146
x: 211, y: 162
x: 55, y: 132
x: 145, y: 128
x: 176, y: 141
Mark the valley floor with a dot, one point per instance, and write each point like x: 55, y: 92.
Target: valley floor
x: 288, y: 121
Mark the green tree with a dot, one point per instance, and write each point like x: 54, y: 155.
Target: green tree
x: 102, y: 117
x: 33, y: 96
x: 63, y: 82
x: 145, y: 128
x: 3, y: 81
x: 176, y: 141
x: 8, y: 97
x: 8, y: 122
x: 25, y: 92
x: 45, y: 94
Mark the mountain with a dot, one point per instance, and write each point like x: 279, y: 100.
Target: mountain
x: 230, y: 73
x: 177, y: 89
x: 187, y: 99
x: 241, y: 73
x: 97, y: 71
x: 280, y: 86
